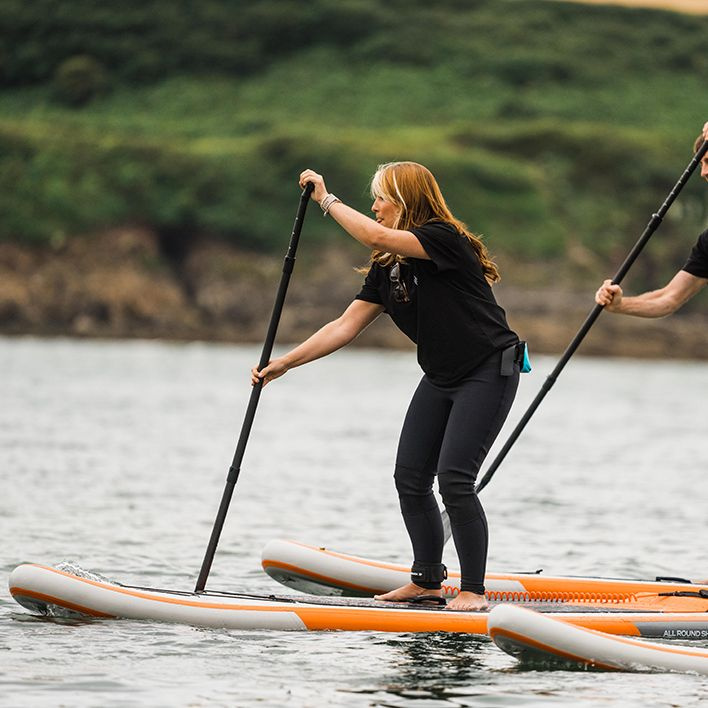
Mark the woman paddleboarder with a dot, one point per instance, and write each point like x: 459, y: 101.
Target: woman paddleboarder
x: 433, y: 277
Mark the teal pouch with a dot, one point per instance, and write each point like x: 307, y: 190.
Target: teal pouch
x: 525, y: 361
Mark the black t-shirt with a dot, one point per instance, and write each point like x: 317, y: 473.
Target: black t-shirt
x: 697, y: 263
x: 452, y: 314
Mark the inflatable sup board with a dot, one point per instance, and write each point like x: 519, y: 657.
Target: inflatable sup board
x: 323, y: 572
x: 542, y: 640
x: 53, y: 592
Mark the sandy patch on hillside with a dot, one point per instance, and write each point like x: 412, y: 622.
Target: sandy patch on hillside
x: 696, y: 7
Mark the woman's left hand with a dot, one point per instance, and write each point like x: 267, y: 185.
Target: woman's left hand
x: 320, y: 191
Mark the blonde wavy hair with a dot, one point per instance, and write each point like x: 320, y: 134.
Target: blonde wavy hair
x: 415, y: 192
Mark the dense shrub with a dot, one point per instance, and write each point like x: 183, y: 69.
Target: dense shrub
x: 79, y: 80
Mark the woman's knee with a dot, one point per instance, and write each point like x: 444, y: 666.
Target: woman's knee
x: 457, y: 490
x: 412, y: 482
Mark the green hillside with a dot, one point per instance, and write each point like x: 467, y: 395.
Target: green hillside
x: 555, y: 129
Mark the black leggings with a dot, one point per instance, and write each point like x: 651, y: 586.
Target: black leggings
x: 449, y: 430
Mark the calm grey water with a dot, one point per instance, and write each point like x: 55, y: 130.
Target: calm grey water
x: 114, y: 455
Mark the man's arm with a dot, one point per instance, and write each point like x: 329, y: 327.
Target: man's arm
x: 655, y: 303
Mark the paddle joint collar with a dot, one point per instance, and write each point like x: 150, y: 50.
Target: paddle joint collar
x: 288, y: 264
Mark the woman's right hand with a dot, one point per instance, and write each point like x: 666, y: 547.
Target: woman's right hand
x: 273, y: 370
x: 609, y: 295
x: 320, y: 190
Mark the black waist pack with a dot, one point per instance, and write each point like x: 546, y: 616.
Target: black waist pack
x: 515, y: 355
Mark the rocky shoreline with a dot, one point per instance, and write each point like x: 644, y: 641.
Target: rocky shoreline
x: 124, y: 283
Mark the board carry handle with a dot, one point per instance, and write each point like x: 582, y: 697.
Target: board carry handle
x: 651, y: 227
x: 235, y: 469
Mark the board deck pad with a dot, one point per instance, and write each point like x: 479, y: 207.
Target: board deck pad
x: 549, y: 607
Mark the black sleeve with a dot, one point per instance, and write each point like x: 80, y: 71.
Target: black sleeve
x: 370, y: 289
x: 697, y: 263
x: 442, y: 244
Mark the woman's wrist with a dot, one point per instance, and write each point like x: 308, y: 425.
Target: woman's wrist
x: 289, y: 361
x: 327, y: 201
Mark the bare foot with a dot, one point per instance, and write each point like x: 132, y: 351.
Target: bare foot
x: 407, y: 592
x: 468, y: 602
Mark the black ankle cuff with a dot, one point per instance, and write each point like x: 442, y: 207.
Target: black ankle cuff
x: 428, y: 575
x: 477, y: 589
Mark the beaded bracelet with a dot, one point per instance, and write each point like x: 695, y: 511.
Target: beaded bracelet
x: 326, y: 203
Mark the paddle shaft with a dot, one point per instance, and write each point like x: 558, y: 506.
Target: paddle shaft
x: 652, y: 226
x: 235, y: 469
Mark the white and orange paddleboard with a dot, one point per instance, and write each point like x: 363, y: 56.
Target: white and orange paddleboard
x: 544, y: 641
x: 321, y: 571
x: 54, y: 592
